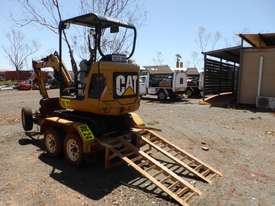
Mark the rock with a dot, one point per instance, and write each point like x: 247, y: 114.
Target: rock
x: 115, y: 203
x: 193, y: 182
x: 269, y: 132
x: 205, y: 148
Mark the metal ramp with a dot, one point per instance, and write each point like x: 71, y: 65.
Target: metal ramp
x: 167, y: 181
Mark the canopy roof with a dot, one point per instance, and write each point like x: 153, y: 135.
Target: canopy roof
x: 230, y: 54
x: 158, y: 69
x: 260, y: 39
x: 92, y: 20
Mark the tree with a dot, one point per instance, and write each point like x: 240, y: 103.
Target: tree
x: 178, y: 57
x: 18, y: 50
x: 203, y: 38
x: 158, y: 59
x: 215, y: 39
x: 195, y: 58
x: 179, y: 63
x: 48, y: 13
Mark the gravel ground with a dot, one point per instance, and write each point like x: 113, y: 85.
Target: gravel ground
x: 241, y: 145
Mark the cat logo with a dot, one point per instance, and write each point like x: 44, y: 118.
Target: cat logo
x: 125, y: 84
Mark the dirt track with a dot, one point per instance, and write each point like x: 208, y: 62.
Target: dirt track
x: 241, y: 144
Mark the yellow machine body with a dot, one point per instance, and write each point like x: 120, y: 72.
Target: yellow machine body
x: 110, y: 88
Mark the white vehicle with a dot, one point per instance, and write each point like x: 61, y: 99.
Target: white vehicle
x: 163, y: 84
x: 195, y: 86
x: 201, y: 81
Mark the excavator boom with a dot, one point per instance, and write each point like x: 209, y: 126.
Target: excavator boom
x: 60, y: 70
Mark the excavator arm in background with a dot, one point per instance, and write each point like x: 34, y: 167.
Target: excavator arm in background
x: 50, y: 61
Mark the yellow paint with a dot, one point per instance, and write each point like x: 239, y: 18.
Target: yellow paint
x: 136, y: 120
x: 106, y: 100
x: 129, y: 91
x: 65, y: 103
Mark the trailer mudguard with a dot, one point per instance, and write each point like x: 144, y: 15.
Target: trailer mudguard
x: 69, y: 126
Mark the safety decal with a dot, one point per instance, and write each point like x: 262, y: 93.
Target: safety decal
x: 65, y: 103
x: 85, y: 132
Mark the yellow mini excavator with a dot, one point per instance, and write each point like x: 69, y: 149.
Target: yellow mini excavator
x: 94, y: 112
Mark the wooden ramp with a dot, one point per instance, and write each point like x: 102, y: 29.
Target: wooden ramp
x: 156, y: 172
x: 178, y: 155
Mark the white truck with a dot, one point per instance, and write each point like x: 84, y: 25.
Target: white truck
x: 195, y: 86
x: 163, y: 84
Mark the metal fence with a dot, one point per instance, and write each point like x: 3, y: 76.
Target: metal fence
x: 219, y: 76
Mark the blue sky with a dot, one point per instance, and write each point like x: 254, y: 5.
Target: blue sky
x: 171, y: 26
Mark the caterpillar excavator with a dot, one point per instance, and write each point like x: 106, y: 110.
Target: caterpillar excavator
x: 95, y: 112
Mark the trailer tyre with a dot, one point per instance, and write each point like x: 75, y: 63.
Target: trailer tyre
x: 53, y: 142
x: 162, y: 96
x: 189, y: 93
x: 73, y: 149
x: 27, y: 119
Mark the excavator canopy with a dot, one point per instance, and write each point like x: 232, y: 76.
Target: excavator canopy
x: 98, y: 23
x: 93, y: 20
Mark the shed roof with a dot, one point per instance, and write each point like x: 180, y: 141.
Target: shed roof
x: 230, y: 54
x: 260, y: 39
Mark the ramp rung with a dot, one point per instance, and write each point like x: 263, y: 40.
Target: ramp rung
x: 165, y: 179
x: 173, y: 185
x: 170, y: 150
x: 182, y: 191
x: 150, y: 168
x: 198, y: 167
x: 188, y: 197
x: 158, y: 173
x: 212, y: 176
x: 183, y: 158
x: 148, y: 173
x: 175, y: 159
x: 206, y: 172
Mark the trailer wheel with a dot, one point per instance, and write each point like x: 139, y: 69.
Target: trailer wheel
x: 162, y: 96
x: 26, y: 118
x: 73, y: 149
x: 189, y: 93
x: 52, y: 142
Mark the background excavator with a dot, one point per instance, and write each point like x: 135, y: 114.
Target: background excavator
x: 95, y: 112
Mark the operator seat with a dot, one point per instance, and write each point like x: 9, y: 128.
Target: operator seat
x: 84, y: 66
